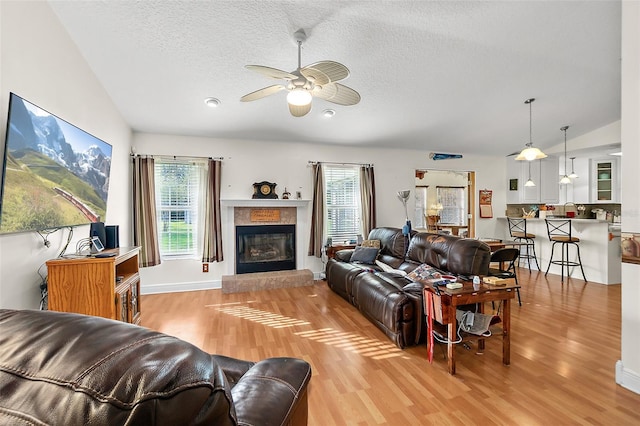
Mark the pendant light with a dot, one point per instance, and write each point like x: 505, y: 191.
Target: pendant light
x: 573, y: 174
x: 530, y: 153
x: 565, y: 179
x: 530, y: 181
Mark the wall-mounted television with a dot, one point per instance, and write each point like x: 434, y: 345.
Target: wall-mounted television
x: 54, y: 174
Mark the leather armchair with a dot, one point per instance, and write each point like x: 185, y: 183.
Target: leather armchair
x: 70, y: 369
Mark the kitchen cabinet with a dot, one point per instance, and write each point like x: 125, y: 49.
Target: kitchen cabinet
x: 605, y: 180
x: 544, y: 173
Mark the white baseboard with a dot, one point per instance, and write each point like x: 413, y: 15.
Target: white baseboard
x: 626, y: 378
x: 179, y: 287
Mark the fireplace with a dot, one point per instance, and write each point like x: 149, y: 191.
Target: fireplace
x: 263, y: 248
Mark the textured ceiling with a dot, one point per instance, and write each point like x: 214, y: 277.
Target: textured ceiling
x: 448, y: 76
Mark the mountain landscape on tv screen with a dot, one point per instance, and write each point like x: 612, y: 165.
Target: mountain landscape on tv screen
x: 56, y: 174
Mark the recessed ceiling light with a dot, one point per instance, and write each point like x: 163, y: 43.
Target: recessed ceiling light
x: 328, y: 113
x: 212, y: 102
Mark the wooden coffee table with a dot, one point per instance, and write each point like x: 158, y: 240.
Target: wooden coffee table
x: 448, y: 300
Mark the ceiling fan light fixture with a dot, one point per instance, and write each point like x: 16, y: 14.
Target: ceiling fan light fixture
x: 530, y: 152
x: 212, y: 102
x: 299, y: 97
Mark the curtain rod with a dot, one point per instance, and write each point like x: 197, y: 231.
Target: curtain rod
x: 341, y: 164
x: 175, y: 157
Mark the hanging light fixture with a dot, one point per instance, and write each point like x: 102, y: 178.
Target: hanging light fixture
x: 530, y: 181
x: 565, y: 179
x: 530, y: 153
x: 573, y: 174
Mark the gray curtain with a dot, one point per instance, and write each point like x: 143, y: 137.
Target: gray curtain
x: 317, y: 213
x: 368, y: 199
x: 212, y: 223
x: 145, y: 222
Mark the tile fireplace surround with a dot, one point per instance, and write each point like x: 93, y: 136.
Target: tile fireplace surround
x: 238, y: 212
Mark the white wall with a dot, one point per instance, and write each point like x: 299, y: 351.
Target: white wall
x: 628, y: 368
x: 246, y: 162
x: 39, y: 62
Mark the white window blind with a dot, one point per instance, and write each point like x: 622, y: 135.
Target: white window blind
x: 453, y: 205
x: 179, y: 202
x: 342, y: 198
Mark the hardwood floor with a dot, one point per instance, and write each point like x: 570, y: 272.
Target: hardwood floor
x: 564, y: 345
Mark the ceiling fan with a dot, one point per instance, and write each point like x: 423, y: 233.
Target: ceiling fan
x: 315, y: 80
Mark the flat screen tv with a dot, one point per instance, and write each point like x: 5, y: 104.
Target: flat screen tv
x: 54, y: 174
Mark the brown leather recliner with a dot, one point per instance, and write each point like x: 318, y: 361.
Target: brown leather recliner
x: 70, y: 369
x: 392, y: 302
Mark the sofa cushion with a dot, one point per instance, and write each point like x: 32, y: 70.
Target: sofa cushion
x: 449, y: 253
x: 392, y: 242
x: 364, y: 255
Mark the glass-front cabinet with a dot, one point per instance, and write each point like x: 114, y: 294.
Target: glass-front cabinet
x: 605, y: 182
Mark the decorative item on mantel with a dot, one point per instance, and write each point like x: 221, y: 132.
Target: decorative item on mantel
x: 403, y: 196
x: 264, y: 189
x: 286, y: 194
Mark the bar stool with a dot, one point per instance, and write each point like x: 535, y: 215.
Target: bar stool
x: 518, y: 232
x: 559, y: 231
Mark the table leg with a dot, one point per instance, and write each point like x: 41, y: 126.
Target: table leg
x: 506, y: 338
x: 481, y: 339
x: 451, y: 336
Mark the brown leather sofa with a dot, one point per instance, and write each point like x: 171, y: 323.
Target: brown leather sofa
x: 69, y: 369
x: 390, y: 301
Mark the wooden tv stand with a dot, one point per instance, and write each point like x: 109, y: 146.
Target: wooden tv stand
x: 107, y: 287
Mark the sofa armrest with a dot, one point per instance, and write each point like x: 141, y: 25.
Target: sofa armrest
x: 233, y: 368
x: 344, y: 255
x: 273, y: 391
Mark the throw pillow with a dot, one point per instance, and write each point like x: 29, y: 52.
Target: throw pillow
x: 364, y: 254
x: 371, y: 243
x: 424, y: 273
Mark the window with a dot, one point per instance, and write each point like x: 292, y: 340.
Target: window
x: 453, y: 204
x: 179, y: 202
x: 342, y: 198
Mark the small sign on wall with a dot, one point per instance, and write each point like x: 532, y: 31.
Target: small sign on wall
x: 486, y: 211
x: 265, y: 215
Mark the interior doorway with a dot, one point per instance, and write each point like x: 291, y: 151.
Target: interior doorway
x: 444, y: 201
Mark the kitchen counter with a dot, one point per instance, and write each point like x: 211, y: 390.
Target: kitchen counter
x: 599, y: 248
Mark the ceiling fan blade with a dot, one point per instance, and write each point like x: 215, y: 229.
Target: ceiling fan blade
x: 271, y: 72
x: 325, y: 72
x: 337, y: 93
x: 299, y: 110
x: 259, y: 94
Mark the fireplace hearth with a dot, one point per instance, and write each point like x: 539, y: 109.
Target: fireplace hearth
x: 265, y: 248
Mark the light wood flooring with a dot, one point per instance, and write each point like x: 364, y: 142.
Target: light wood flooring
x: 564, y: 346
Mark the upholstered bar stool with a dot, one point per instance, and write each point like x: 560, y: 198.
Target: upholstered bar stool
x: 518, y: 232
x: 559, y: 231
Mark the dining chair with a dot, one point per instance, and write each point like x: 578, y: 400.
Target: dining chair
x: 505, y: 258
